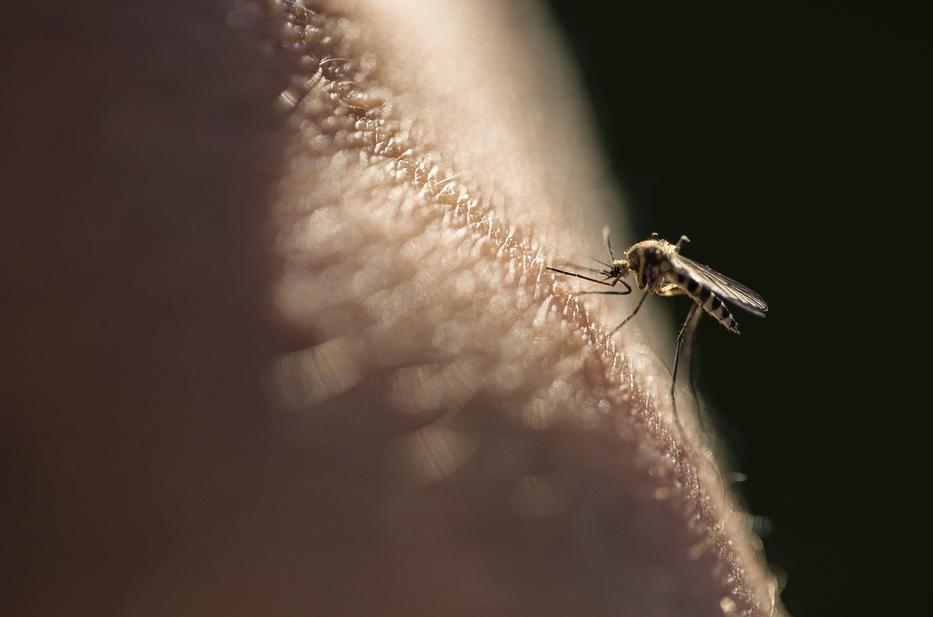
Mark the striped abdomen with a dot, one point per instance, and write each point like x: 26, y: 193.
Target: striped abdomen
x: 711, y: 303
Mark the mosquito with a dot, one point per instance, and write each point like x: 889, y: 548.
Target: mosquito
x: 660, y: 269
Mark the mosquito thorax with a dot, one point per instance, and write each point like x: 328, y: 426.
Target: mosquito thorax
x: 650, y: 249
x: 650, y: 260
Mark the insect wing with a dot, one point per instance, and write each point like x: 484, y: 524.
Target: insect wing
x: 721, y: 285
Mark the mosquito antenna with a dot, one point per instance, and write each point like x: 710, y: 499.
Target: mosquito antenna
x: 579, y: 267
x: 600, y: 261
x: 608, y: 241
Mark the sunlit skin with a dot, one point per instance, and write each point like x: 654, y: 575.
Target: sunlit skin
x: 326, y: 371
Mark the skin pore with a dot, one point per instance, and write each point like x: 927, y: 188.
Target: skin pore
x: 452, y: 430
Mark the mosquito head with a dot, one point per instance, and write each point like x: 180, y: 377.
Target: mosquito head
x: 618, y: 268
x: 638, y: 256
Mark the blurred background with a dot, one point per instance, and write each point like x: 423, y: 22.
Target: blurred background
x: 789, y: 141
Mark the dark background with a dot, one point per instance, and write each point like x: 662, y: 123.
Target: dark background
x: 785, y: 140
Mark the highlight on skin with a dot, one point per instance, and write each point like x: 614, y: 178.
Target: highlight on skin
x: 430, y: 178
x: 331, y: 376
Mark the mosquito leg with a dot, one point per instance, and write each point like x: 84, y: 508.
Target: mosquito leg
x: 625, y: 292
x: 670, y: 290
x: 582, y: 276
x: 686, y: 332
x: 635, y: 312
x: 686, y: 338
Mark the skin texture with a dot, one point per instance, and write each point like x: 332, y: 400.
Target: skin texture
x: 309, y: 361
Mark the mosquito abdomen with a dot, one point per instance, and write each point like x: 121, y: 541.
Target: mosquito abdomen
x: 709, y: 301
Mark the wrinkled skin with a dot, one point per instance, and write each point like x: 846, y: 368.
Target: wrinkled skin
x: 309, y: 362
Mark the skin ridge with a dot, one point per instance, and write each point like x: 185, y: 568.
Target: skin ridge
x: 378, y: 136
x: 350, y: 110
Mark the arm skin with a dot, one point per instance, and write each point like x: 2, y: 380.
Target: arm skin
x: 453, y: 433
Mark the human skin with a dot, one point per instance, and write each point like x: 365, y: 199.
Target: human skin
x: 377, y: 401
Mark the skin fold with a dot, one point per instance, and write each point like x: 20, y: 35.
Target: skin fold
x: 305, y: 355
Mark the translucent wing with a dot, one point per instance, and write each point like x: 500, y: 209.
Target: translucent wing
x: 721, y: 285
